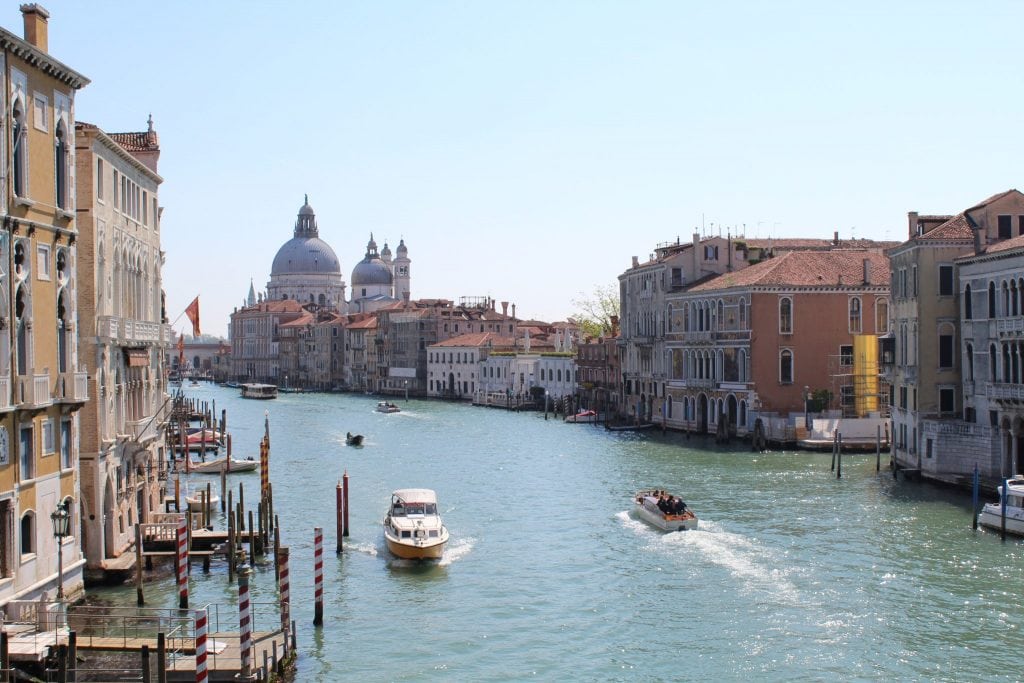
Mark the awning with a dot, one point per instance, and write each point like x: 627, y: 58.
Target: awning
x: 136, y: 358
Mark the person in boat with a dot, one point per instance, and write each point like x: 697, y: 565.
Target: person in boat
x: 679, y: 507
x: 663, y: 504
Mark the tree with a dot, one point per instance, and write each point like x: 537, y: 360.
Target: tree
x: 596, y: 310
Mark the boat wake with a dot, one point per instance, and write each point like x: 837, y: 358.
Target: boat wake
x: 364, y: 548
x: 456, y: 551
x: 744, y: 558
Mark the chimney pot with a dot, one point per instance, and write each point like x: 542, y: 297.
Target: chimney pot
x: 36, y: 18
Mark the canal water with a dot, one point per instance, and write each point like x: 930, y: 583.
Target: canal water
x: 792, y: 575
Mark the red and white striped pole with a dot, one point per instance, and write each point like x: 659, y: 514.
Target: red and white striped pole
x: 318, y: 576
x: 286, y: 599
x: 201, y: 675
x: 183, y: 562
x: 244, y: 622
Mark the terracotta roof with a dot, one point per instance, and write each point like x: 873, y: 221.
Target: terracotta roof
x: 956, y: 228
x: 479, y: 339
x: 1005, y: 245
x: 807, y: 269
x: 368, y: 324
x: 276, y: 306
x: 146, y: 141
x: 304, y: 319
x: 986, y: 202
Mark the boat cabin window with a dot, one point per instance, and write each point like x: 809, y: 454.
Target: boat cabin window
x: 417, y: 509
x: 406, y: 534
x: 433, y: 533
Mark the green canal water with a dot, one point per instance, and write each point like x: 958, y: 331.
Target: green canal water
x: 793, y: 575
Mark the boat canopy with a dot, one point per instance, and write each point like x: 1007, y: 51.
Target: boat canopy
x: 415, y: 495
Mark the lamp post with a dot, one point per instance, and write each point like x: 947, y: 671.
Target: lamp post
x: 61, y: 529
x: 406, y: 390
x: 545, y: 404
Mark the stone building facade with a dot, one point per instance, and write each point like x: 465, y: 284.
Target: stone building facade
x: 121, y: 307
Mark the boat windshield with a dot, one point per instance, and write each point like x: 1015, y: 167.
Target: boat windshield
x: 414, y: 509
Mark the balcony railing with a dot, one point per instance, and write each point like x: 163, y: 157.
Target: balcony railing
x: 1006, y: 326
x: 5, y: 393
x: 72, y: 387
x: 1005, y: 391
x: 114, y: 328
x: 33, y: 391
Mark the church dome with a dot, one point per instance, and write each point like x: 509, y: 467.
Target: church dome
x: 372, y: 270
x: 305, y: 252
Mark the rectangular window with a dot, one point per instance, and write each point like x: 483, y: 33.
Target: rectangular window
x: 43, y: 261
x: 846, y: 354
x: 145, y: 208
x: 1020, y: 225
x: 65, y: 444
x: 913, y: 283
x: 156, y: 223
x: 99, y: 180
x: 26, y: 453
x: 903, y: 398
x: 846, y: 396
x: 1005, y: 227
x: 945, y: 350
x: 48, y: 444
x: 40, y: 109
x: 946, y: 400
x: 116, y: 186
x: 946, y: 280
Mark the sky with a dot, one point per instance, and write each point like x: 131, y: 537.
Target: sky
x: 527, y: 150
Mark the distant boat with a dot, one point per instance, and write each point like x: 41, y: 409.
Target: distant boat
x: 354, y: 439
x: 584, y: 416
x: 388, y: 407
x: 259, y: 391
x: 646, y: 506
x: 991, y: 514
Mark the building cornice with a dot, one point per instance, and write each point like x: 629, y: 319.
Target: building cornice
x: 117, y: 149
x: 41, y: 60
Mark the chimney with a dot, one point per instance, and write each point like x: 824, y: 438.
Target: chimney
x: 867, y: 271
x: 504, y: 308
x: 835, y: 238
x: 405, y: 297
x: 36, y: 18
x: 912, y: 222
x: 978, y: 247
x: 513, y: 311
x: 636, y: 261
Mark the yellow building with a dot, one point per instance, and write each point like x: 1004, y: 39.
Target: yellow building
x: 41, y: 384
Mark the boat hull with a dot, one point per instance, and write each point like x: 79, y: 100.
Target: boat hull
x: 407, y: 551
x: 219, y: 464
x: 667, y: 522
x: 991, y: 517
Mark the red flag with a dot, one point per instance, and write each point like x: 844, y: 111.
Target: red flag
x: 193, y: 314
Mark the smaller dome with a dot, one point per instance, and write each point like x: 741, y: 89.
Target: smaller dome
x: 385, y: 253
x: 306, y: 209
x: 402, y: 250
x: 371, y: 272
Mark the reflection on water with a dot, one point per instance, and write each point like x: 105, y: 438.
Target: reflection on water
x: 792, y: 573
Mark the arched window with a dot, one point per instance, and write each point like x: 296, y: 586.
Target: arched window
x: 881, y: 316
x: 786, y: 366
x: 28, y: 533
x: 991, y: 299
x: 992, y: 363
x: 785, y: 315
x: 20, y: 141
x: 855, y: 315
x: 968, y: 306
x: 969, y: 362
x: 60, y: 161
x: 743, y: 313
x: 721, y: 315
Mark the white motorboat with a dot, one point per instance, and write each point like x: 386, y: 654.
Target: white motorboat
x: 195, y: 501
x: 584, y: 416
x: 991, y: 514
x: 215, y: 465
x: 412, y: 526
x: 647, y: 509
x: 388, y: 407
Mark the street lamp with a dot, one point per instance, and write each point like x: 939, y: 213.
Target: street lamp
x: 406, y: 390
x: 545, y: 404
x: 61, y: 520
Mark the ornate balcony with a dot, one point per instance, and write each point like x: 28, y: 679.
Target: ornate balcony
x: 72, y: 387
x: 1009, y: 326
x: 5, y: 394
x: 32, y: 391
x: 1003, y: 391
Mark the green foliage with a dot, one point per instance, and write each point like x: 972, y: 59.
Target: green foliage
x: 594, y: 312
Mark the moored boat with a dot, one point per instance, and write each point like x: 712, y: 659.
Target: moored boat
x: 217, y: 464
x: 584, y: 416
x: 259, y: 391
x: 353, y: 439
x: 679, y: 518
x: 991, y: 514
x: 412, y: 526
x: 388, y: 407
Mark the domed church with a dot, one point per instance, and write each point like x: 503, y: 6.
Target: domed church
x: 306, y: 269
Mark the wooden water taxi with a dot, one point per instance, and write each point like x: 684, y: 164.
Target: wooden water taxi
x: 677, y: 518
x: 412, y: 526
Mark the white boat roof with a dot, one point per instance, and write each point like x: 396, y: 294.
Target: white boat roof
x: 416, y: 495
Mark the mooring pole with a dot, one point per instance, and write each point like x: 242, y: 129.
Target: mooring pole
x: 339, y: 524
x: 318, y: 576
x: 244, y: 622
x: 974, y: 499
x: 839, y: 458
x: 182, y: 564
x: 286, y: 601
x: 344, y: 500
x: 1003, y: 512
x: 878, y: 448
x: 201, y: 674
x: 140, y: 599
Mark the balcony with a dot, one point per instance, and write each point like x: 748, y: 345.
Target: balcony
x: 107, y: 327
x: 143, y: 430
x: 120, y: 330
x: 1010, y: 326
x: 5, y: 393
x: 1003, y: 391
x: 72, y: 387
x: 32, y: 391
x: 140, y: 331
